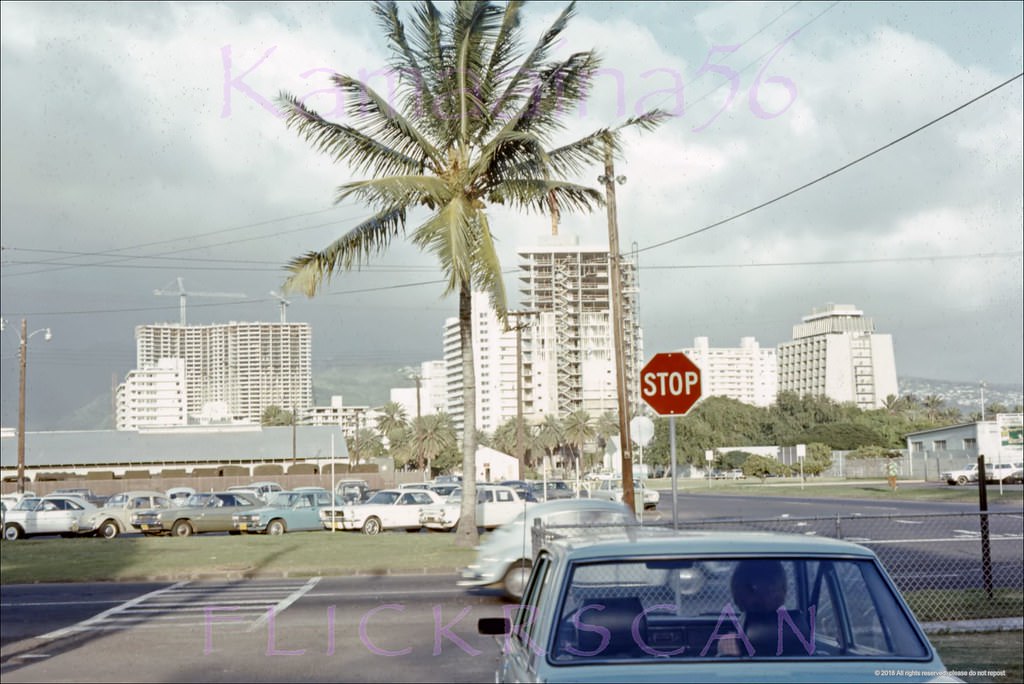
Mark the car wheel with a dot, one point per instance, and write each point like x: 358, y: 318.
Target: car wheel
x: 109, y: 530
x: 372, y: 526
x: 962, y: 480
x: 276, y: 527
x: 182, y: 528
x: 516, y: 577
x: 13, y: 532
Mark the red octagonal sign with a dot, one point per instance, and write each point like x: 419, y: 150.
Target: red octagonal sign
x: 670, y: 384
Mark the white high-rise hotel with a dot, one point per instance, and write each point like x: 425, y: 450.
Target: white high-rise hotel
x: 229, y: 371
x: 568, y: 359
x: 836, y: 353
x: 746, y: 373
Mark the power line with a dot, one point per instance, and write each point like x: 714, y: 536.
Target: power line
x: 834, y: 172
x: 840, y: 262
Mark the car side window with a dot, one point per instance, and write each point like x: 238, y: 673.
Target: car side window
x: 406, y: 500
x: 524, y: 624
x: 504, y: 495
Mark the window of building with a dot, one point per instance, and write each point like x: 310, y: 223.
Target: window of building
x: 939, y: 445
x: 970, y: 443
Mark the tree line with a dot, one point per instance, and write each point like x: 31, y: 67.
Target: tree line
x: 431, y: 441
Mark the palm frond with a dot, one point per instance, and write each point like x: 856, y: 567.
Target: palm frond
x: 450, y: 234
x: 393, y: 191
x: 517, y: 85
x: 373, y: 236
x: 533, y: 194
x: 345, y: 143
x: 379, y: 120
x: 487, y: 275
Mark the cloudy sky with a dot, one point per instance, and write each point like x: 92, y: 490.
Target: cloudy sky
x: 140, y: 144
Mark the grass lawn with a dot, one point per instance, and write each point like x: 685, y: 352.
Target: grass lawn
x: 1001, y: 652
x: 301, y: 554
x: 932, y: 605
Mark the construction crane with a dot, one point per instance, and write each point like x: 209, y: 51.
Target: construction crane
x: 284, y: 305
x: 182, y: 294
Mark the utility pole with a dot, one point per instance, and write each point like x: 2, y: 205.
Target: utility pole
x: 23, y: 367
x: 22, y: 349
x: 609, y: 179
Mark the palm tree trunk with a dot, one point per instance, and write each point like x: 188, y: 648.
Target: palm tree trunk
x: 466, y: 532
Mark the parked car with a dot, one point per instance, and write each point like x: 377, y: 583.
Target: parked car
x: 179, y: 495
x: 115, y: 515
x: 495, y: 505
x: 524, y: 489
x: 262, y: 490
x: 207, y: 512
x: 292, y: 511
x: 643, y: 605
x: 352, y: 491
x: 961, y: 476
x: 555, y: 489
x: 994, y: 472
x: 388, y: 509
x: 1003, y: 472
x: 444, y: 489
x: 62, y: 514
x: 504, y: 557
x: 611, y: 490
x: 81, y: 492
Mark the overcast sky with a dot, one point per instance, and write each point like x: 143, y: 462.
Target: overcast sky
x: 140, y: 144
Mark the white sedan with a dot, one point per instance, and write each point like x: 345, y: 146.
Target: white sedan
x: 388, y: 509
x: 495, y: 506
x: 67, y: 516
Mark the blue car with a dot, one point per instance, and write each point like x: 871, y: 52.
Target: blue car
x: 646, y: 605
x: 286, y: 512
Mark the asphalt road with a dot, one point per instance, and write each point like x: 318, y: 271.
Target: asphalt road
x: 365, y: 629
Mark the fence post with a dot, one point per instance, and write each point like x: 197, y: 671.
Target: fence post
x: 986, y: 552
x: 839, y: 530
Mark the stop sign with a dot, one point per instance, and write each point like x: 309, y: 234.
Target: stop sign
x: 670, y: 384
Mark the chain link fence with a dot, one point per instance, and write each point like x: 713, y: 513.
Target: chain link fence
x: 947, y: 566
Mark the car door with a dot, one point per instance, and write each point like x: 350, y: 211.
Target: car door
x: 407, y: 509
x: 526, y: 643
x: 58, y: 515
x: 306, y: 511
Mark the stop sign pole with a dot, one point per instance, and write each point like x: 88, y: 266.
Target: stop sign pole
x: 670, y: 384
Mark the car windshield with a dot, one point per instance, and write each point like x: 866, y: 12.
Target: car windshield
x: 671, y: 609
x: 384, y: 498
x: 27, y: 504
x: 454, y: 497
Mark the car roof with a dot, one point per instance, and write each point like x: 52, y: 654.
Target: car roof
x: 657, y: 541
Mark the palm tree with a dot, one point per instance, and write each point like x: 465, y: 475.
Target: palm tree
x: 549, y: 436
x: 391, y: 420
x: 577, y: 430
x: 472, y: 126
x: 432, y: 435
x: 607, y: 426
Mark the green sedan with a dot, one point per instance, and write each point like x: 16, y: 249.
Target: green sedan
x: 208, y: 512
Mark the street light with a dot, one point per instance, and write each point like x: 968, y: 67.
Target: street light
x: 22, y: 358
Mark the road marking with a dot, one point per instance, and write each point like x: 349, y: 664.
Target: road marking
x: 284, y: 603
x: 85, y: 625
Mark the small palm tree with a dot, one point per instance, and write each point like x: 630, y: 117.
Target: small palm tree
x: 432, y: 435
x: 578, y: 430
x: 549, y: 436
x: 473, y: 125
